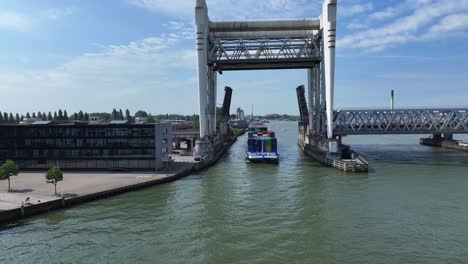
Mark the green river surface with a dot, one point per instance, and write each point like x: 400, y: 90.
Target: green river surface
x: 412, y: 207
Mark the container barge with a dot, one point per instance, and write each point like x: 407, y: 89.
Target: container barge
x: 262, y: 146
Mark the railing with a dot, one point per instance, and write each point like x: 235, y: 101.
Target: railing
x: 401, y: 121
x: 182, y: 134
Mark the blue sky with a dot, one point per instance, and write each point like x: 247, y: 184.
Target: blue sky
x: 139, y: 54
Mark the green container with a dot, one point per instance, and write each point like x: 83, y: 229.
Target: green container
x: 267, y: 145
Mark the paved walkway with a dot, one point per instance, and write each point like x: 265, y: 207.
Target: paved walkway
x: 34, y: 186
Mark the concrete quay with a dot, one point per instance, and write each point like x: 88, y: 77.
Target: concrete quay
x: 81, y: 187
x: 445, y: 143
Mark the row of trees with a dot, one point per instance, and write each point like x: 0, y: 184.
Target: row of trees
x: 84, y: 116
x: 57, y: 115
x: 10, y: 169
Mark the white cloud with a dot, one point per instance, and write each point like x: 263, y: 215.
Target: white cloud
x: 405, y: 75
x: 180, y: 7
x: 354, y: 9
x: 21, y: 22
x: 234, y: 9
x: 14, y: 21
x: 354, y: 26
x: 140, y: 74
x: 380, y: 15
x: 58, y: 13
x: 401, y: 8
x: 457, y: 22
x: 408, y: 28
x: 184, y: 30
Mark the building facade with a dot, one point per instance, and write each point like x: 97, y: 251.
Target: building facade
x: 82, y: 146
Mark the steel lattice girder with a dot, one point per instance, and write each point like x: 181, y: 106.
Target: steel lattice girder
x: 284, y: 53
x: 401, y: 121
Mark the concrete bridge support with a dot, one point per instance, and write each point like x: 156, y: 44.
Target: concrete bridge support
x: 328, y: 25
x: 206, y: 76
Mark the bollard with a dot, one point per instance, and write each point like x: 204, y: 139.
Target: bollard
x: 22, y: 209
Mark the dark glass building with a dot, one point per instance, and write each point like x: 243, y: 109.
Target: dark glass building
x: 82, y: 146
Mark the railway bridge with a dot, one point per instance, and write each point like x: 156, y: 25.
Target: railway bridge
x: 400, y: 121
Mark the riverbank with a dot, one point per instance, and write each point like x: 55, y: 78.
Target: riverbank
x: 31, y: 195
x: 445, y: 143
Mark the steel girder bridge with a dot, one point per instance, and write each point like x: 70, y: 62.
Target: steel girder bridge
x: 401, y: 121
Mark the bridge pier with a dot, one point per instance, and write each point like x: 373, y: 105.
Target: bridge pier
x: 315, y: 143
x: 333, y: 153
x: 188, y: 143
x: 177, y: 144
x: 328, y: 25
x: 206, y: 76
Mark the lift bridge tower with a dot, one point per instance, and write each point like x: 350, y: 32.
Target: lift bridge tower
x: 265, y: 45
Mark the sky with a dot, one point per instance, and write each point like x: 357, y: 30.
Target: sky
x: 140, y: 54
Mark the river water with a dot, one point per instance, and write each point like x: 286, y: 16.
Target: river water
x: 410, y: 208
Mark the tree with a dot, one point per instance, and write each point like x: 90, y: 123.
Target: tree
x: 75, y: 116
x: 86, y: 117
x: 33, y: 115
x: 11, y: 118
x: 80, y: 116
x: 151, y: 119
x: 28, y: 115
x: 65, y: 115
x: 5, y: 117
x: 49, y: 116
x: 196, y: 123
x: 55, y: 115
x: 39, y: 115
x: 17, y: 118
x: 60, y: 114
x: 7, y: 170
x: 53, y: 176
x: 44, y: 116
x: 141, y: 113
x: 121, y: 116
x: 114, y: 114
x: 127, y: 115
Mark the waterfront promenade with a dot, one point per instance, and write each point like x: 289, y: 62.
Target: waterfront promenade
x: 31, y: 190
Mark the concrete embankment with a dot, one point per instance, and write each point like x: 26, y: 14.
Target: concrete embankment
x: 446, y: 143
x: 31, y: 195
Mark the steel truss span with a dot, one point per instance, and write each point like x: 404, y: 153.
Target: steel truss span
x: 281, y: 53
x: 401, y: 121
